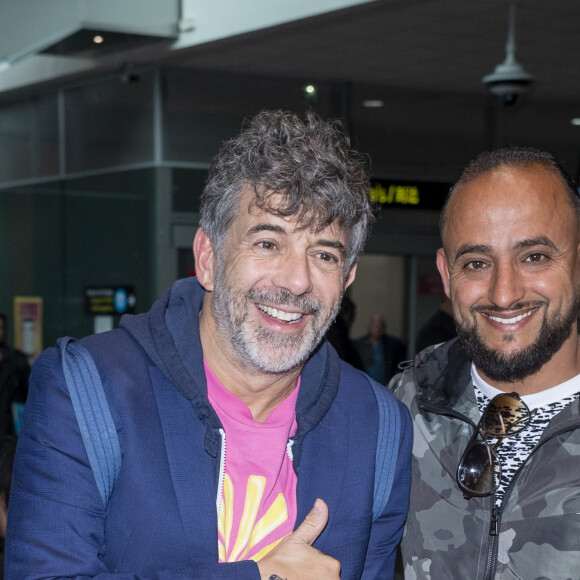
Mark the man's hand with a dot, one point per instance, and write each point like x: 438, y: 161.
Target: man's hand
x: 294, y: 558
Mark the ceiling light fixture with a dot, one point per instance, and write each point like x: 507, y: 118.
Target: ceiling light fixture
x: 373, y: 103
x: 509, y: 80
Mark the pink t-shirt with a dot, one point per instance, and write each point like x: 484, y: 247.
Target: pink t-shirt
x: 258, y: 503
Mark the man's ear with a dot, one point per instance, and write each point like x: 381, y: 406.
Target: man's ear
x: 205, y: 260
x: 443, y: 270
x: 350, y: 277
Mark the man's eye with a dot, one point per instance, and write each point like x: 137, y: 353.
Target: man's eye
x: 475, y: 265
x: 326, y: 257
x: 266, y: 245
x: 535, y: 258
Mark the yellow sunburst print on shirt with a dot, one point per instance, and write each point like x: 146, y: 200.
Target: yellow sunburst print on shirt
x: 250, y: 532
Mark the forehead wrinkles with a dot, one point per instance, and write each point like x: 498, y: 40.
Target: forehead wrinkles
x: 311, y: 222
x: 530, y: 200
x: 314, y: 220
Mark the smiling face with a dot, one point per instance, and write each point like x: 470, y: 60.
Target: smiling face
x: 510, y: 266
x: 276, y: 288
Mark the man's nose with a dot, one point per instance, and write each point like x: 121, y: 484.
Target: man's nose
x: 506, y: 287
x: 294, y: 274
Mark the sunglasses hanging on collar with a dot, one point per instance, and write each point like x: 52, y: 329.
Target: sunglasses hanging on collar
x: 479, y: 470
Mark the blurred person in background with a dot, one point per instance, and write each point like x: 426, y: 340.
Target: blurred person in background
x: 380, y: 352
x: 439, y: 328
x: 7, y: 451
x: 14, y: 373
x: 338, y: 334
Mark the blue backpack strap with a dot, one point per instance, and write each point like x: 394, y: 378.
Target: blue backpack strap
x: 387, y: 447
x: 93, y: 414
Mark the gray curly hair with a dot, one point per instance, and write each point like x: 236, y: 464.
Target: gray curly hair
x: 308, y: 161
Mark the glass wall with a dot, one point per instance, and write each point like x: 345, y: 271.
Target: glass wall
x: 29, y: 139
x: 202, y: 110
x: 186, y: 188
x: 100, y: 183
x: 109, y: 124
x: 58, y: 238
x: 108, y: 240
x: 31, y: 254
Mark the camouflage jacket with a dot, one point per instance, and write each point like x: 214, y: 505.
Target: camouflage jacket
x: 534, y: 535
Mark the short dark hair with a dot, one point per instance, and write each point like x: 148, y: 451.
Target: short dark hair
x: 512, y: 156
x: 307, y: 160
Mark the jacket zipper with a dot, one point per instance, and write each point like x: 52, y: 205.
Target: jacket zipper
x: 289, y: 445
x: 492, y: 546
x: 496, y: 512
x: 222, y: 473
x: 221, y: 477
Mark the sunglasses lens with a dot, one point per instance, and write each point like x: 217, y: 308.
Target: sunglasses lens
x: 505, y: 415
x: 479, y: 471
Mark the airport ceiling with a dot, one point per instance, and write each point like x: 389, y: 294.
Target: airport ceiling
x: 430, y: 46
x: 425, y: 59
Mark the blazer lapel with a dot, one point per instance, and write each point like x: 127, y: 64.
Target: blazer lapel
x: 324, y: 467
x: 191, y: 467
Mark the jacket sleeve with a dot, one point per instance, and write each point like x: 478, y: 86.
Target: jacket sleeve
x: 387, y: 530
x: 56, y: 518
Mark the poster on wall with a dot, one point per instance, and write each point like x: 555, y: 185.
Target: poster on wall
x: 28, y: 324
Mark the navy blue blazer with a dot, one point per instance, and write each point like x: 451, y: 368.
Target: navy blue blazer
x: 161, y: 520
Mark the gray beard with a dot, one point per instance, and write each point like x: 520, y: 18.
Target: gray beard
x: 293, y: 350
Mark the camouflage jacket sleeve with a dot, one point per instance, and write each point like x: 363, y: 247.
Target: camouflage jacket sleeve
x: 533, y: 535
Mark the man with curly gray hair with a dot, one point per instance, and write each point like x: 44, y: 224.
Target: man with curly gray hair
x: 235, y: 355
x: 309, y: 164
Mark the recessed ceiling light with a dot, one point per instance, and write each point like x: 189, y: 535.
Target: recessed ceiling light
x: 98, y: 39
x: 575, y: 121
x: 373, y: 103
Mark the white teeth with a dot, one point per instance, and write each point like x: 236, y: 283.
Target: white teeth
x: 510, y: 320
x: 280, y: 314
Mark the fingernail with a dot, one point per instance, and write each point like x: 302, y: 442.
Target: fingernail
x: 318, y: 506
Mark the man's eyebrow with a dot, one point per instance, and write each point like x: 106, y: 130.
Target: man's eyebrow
x: 531, y: 242
x: 472, y: 248
x: 332, y: 244
x: 519, y: 245
x: 265, y: 228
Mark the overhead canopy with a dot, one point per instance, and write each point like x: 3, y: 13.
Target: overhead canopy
x: 43, y: 40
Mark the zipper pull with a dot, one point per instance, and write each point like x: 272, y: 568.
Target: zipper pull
x: 289, y: 445
x: 494, y: 524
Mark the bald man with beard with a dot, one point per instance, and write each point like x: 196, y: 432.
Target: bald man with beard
x: 496, y: 457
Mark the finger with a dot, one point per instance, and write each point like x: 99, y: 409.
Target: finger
x: 313, y: 523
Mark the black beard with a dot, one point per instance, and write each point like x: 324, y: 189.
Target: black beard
x: 499, y: 366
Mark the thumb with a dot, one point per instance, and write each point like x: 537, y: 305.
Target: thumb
x: 313, y: 523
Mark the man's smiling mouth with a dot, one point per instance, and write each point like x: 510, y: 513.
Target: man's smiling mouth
x: 280, y: 314
x: 512, y: 320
